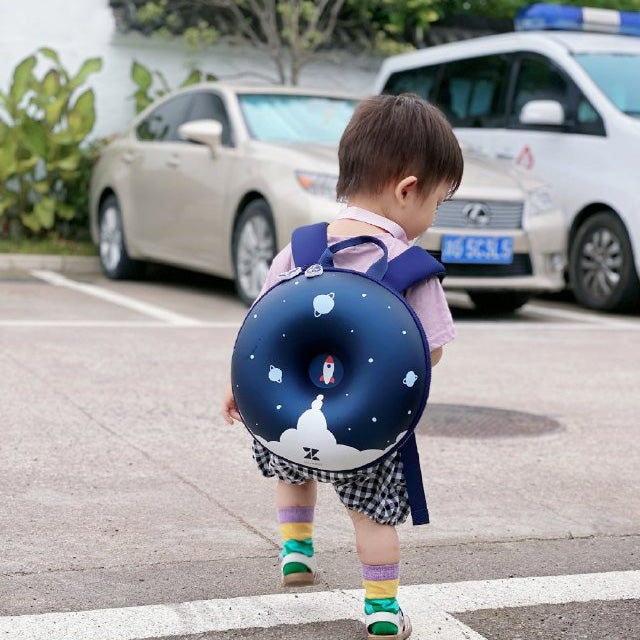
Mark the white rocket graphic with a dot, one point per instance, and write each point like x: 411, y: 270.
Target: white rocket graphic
x: 327, y: 370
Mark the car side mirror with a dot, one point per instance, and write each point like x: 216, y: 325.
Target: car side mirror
x: 207, y: 132
x: 542, y: 113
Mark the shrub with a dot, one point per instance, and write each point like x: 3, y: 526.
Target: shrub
x: 44, y: 163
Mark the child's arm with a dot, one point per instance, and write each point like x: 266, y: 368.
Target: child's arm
x: 436, y: 355
x: 229, y: 407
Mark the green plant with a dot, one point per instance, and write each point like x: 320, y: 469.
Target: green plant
x: 148, y: 90
x: 44, y: 120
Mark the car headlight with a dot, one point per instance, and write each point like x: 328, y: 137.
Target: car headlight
x: 319, y: 184
x: 540, y: 201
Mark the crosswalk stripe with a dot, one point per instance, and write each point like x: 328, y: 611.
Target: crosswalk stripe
x: 429, y: 606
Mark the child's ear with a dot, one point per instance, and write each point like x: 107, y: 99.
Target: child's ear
x: 405, y: 187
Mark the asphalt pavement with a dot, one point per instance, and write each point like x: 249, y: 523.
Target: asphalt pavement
x: 129, y: 509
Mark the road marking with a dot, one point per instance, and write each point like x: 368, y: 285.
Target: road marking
x: 430, y: 607
x: 523, y: 325
x: 115, y: 324
x: 584, y: 316
x: 154, y: 311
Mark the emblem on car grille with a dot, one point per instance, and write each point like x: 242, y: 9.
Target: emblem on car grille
x: 476, y: 214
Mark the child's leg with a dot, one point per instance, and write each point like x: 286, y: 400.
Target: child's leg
x: 296, y: 503
x: 379, y: 552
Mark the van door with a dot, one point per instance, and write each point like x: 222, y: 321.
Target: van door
x: 562, y: 155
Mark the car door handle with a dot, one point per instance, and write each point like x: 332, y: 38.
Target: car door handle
x: 128, y: 156
x: 173, y: 162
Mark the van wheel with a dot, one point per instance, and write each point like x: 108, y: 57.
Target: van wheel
x: 498, y: 302
x: 114, y: 259
x: 254, y: 247
x: 601, y: 267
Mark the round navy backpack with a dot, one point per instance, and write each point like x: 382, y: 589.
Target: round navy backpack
x: 331, y: 367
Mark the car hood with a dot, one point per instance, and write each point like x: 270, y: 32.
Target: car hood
x: 481, y: 170
x: 320, y: 158
x: 484, y: 177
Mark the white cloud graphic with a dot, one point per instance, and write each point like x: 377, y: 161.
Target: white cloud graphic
x: 313, y: 445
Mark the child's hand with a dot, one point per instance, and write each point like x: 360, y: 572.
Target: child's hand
x: 229, y: 407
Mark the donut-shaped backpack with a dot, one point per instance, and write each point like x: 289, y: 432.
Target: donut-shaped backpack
x: 331, y: 367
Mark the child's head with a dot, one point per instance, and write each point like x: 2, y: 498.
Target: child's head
x: 401, y: 151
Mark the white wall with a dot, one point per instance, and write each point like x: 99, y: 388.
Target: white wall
x: 79, y: 29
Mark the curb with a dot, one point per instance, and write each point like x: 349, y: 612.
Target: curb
x: 66, y: 264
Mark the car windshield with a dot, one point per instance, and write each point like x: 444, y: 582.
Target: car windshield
x: 295, y: 118
x: 617, y: 75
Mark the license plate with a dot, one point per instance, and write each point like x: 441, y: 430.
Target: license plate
x: 477, y: 249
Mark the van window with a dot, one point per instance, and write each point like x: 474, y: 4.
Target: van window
x: 539, y: 79
x: 419, y: 81
x: 472, y: 93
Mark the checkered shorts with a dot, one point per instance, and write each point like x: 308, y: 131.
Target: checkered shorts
x: 378, y: 491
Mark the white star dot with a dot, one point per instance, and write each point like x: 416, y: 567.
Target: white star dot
x: 374, y: 419
x: 370, y: 359
x: 278, y: 406
x: 255, y: 315
x: 409, y: 412
x: 364, y: 295
x: 404, y: 333
x: 252, y: 356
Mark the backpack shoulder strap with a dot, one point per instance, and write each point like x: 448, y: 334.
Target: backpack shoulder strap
x: 308, y: 243
x: 410, y: 267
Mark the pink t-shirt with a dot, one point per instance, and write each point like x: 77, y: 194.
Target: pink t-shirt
x: 427, y: 298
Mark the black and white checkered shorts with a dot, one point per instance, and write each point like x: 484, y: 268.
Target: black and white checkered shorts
x: 378, y: 491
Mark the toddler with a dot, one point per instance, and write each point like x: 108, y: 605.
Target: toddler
x: 399, y: 160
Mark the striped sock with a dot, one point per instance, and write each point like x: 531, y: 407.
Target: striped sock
x: 380, y: 594
x: 296, y: 530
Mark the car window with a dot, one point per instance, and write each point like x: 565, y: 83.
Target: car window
x: 539, y: 79
x: 210, y: 106
x: 419, y: 81
x: 163, y: 122
x: 472, y: 93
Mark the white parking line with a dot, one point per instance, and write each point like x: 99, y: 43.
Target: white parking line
x: 116, y: 298
x: 115, y: 324
x: 428, y: 605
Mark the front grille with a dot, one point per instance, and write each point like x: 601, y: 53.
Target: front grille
x: 502, y: 215
x: 521, y: 266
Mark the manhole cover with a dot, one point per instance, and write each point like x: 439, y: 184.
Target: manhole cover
x: 463, y: 421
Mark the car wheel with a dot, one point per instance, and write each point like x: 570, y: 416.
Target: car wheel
x: 498, y: 302
x: 254, y: 246
x: 114, y: 259
x: 601, y: 268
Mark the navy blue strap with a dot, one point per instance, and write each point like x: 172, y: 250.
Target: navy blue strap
x: 410, y: 267
x: 376, y: 271
x: 309, y: 243
x: 413, y: 478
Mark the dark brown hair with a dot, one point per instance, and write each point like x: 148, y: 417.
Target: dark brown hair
x: 391, y: 137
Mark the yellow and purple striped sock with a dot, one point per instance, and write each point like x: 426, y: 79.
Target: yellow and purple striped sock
x: 296, y: 530
x: 380, y: 594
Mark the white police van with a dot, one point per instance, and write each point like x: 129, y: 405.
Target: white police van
x: 559, y: 97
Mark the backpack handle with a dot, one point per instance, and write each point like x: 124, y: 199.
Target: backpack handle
x: 376, y: 271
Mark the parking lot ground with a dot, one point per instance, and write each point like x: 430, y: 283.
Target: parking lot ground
x: 123, y: 489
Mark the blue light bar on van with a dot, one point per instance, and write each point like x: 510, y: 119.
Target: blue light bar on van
x: 544, y: 15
